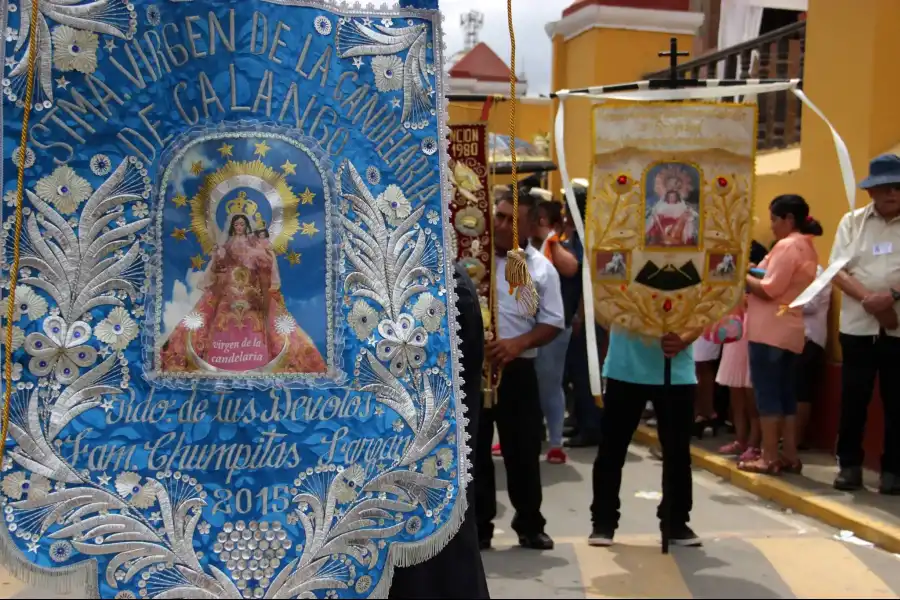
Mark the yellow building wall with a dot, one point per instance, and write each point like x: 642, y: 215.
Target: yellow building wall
x: 532, y: 119
x: 848, y: 82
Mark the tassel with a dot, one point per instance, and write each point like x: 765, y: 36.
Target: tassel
x: 520, y: 282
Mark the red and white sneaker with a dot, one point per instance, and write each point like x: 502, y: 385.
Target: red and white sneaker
x: 495, y: 450
x: 557, y: 456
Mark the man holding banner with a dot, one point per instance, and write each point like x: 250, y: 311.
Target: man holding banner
x: 517, y: 411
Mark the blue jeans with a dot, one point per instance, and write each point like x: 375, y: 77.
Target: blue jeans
x: 773, y: 373
x: 550, y: 366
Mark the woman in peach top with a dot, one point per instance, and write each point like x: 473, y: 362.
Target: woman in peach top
x: 776, y: 334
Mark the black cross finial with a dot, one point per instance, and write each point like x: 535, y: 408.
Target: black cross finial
x: 673, y: 55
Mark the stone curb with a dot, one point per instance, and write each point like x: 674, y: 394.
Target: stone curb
x: 781, y: 492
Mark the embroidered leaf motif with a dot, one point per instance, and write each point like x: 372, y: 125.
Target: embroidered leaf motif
x: 97, y: 16
x: 99, y: 522
x: 83, y: 271
x: 355, y: 38
x: 389, y: 263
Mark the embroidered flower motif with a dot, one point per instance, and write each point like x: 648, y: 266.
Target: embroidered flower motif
x: 75, y: 49
x: 100, y: 165
x: 284, y: 324
x: 64, y: 189
x: 433, y: 217
x: 332, y: 594
x: 153, y: 15
x: 192, y: 321
x: 322, y: 25
x: 61, y: 348
x: 18, y: 337
x: 363, y: 584
x: 429, y: 467
x: 397, y: 425
x: 29, y: 157
x: 373, y: 175
x: 16, y: 369
x: 429, y: 146
x: 128, y: 485
x: 17, y: 485
x: 347, y: 484
x: 118, y: 329
x: 363, y: 319
x: 445, y: 458
x: 388, y: 71
x: 203, y: 528
x: 28, y: 304
x: 403, y: 344
x: 60, y: 551
x: 140, y: 210
x: 430, y: 311
x: 387, y: 22
x: 394, y: 204
x: 11, y: 197
x: 414, y: 525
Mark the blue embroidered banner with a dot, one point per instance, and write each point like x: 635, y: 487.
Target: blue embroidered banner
x: 234, y: 341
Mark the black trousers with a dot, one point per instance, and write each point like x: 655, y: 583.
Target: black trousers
x: 864, y: 358
x: 520, y: 423
x: 585, y: 410
x: 623, y: 405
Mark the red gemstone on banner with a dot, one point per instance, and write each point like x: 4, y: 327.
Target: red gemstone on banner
x: 623, y: 179
x: 723, y: 182
x: 624, y: 287
x: 667, y: 305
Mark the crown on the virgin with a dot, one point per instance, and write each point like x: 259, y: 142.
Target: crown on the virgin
x: 242, y: 205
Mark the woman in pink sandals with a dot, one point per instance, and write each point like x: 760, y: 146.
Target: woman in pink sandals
x: 776, y: 333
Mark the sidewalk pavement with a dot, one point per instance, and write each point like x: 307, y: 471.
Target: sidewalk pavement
x: 867, y: 514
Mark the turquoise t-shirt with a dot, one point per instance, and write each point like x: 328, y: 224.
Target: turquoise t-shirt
x: 636, y: 359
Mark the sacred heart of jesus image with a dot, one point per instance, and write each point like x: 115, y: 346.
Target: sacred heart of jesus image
x: 232, y: 301
x: 669, y: 218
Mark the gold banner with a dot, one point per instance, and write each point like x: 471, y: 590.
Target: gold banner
x: 669, y: 220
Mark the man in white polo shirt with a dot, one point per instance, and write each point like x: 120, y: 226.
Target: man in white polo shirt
x: 517, y: 411
x: 870, y: 336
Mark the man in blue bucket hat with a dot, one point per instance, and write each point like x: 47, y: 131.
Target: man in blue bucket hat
x: 869, y: 329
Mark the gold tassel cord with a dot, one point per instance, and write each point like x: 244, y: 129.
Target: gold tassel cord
x: 20, y: 192
x: 517, y: 275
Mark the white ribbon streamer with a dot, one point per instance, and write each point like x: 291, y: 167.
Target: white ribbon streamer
x: 589, y: 324
x: 711, y: 91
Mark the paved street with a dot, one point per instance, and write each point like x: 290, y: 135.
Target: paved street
x: 751, y: 549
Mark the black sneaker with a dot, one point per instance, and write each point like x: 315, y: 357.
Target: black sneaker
x: 537, y: 541
x: 890, y: 485
x: 684, y: 536
x: 600, y: 538
x: 484, y: 544
x: 849, y: 479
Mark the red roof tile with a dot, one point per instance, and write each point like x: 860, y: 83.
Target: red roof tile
x: 482, y: 64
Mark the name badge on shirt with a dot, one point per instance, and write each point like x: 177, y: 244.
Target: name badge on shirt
x: 882, y: 248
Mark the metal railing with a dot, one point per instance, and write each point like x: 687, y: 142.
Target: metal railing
x: 777, y: 54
